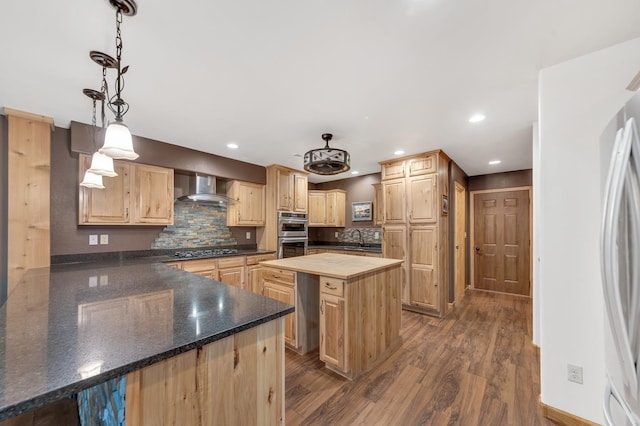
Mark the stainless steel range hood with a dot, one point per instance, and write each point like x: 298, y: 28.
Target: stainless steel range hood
x: 202, y: 189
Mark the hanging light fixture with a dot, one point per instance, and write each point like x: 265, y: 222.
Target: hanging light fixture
x: 327, y: 161
x: 118, y: 143
x: 101, y: 165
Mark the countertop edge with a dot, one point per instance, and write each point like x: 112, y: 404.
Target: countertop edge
x: 329, y: 273
x: 69, y: 390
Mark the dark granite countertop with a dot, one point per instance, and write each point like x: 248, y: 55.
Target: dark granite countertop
x: 73, y: 326
x: 370, y: 248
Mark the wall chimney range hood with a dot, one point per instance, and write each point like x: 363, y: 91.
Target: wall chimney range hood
x: 202, y: 189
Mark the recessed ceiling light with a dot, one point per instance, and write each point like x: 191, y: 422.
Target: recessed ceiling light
x: 398, y: 152
x: 354, y: 172
x: 492, y: 162
x: 477, y: 118
x: 232, y: 145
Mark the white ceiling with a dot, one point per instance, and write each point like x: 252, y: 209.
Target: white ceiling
x: 272, y: 76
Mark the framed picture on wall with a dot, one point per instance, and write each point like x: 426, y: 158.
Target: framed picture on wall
x: 362, y: 210
x: 445, y: 205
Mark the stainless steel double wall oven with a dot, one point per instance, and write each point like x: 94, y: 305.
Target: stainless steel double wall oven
x: 293, y: 234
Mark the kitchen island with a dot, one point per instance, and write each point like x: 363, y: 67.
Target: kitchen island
x: 188, y: 350
x: 349, y: 306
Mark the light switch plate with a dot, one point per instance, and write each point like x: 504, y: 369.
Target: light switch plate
x: 93, y: 240
x: 104, y: 239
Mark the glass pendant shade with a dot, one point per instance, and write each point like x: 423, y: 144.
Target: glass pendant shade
x: 102, y: 165
x: 118, y: 143
x: 92, y: 181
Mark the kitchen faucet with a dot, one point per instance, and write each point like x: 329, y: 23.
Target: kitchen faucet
x: 360, y: 239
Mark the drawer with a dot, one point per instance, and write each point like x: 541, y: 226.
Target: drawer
x: 333, y: 286
x: 278, y: 275
x: 199, y: 265
x: 257, y: 258
x: 230, y: 262
x: 177, y: 265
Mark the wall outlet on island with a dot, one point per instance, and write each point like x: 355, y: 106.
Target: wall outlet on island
x: 248, y: 235
x: 93, y: 240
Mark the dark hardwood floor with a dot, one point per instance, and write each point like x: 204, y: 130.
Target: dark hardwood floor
x: 476, y: 366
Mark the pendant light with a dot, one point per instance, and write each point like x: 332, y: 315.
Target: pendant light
x: 101, y: 165
x: 327, y: 161
x: 118, y: 143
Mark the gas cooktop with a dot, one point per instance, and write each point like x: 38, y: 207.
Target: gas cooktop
x: 191, y: 254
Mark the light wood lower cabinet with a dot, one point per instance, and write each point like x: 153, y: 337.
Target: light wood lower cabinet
x: 332, y: 330
x: 254, y: 279
x: 424, y: 259
x: 238, y: 380
x: 284, y: 294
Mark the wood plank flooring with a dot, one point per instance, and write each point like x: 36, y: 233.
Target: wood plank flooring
x: 476, y: 366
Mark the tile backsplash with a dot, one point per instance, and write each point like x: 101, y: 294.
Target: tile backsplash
x: 196, y: 225
x: 350, y: 235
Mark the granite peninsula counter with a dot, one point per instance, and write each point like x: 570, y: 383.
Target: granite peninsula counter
x: 68, y: 328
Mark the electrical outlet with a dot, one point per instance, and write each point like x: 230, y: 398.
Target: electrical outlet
x: 248, y: 235
x: 93, y: 240
x: 93, y: 281
x: 336, y: 234
x: 574, y: 373
x: 104, y: 280
x: 104, y: 239
x: 376, y: 235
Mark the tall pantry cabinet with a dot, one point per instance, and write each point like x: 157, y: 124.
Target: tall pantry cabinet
x: 415, y: 225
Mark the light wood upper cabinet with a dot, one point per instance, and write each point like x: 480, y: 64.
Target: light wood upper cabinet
x: 395, y: 210
x: 317, y: 208
x: 393, y: 169
x: 153, y: 195
x: 109, y: 205
x: 327, y: 208
x: 422, y: 164
x: 139, y: 195
x: 249, y: 208
x: 300, y: 187
x: 378, y: 206
x: 291, y: 190
x: 423, y: 198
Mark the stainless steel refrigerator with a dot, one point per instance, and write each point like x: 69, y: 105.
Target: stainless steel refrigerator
x: 620, y: 264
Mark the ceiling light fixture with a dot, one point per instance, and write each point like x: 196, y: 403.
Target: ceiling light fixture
x: 477, y: 118
x: 118, y: 143
x: 492, y: 162
x: 398, y: 152
x: 355, y: 172
x: 232, y: 146
x: 327, y: 161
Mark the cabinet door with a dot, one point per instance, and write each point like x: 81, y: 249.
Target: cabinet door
x: 249, y: 208
x: 393, y: 170
x: 300, y: 187
x: 394, y: 201
x: 332, y: 330
x: 394, y: 246
x: 423, y: 198
x: 378, y: 207
x: 423, y: 165
x: 109, y: 205
x: 317, y: 208
x: 153, y: 195
x: 232, y: 276
x: 287, y: 295
x: 284, y: 189
x: 254, y: 283
x: 424, y: 261
x: 336, y: 208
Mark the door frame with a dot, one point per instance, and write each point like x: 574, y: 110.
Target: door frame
x: 472, y: 244
x: 456, y: 187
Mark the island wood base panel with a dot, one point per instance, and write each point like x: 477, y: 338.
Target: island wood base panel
x: 236, y: 380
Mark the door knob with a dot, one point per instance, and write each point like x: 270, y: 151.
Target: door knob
x: 457, y: 247
x: 478, y: 251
